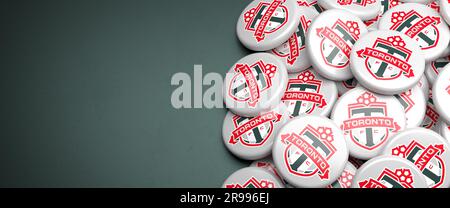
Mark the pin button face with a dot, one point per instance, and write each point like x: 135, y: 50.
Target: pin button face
x: 441, y: 94
x: 387, y: 62
x: 255, y: 84
x: 309, y: 93
x: 293, y: 52
x: 329, y: 41
x: 422, y: 24
x: 310, y: 3
x: 267, y: 163
x: 427, y: 150
x: 310, y: 151
x: 389, y: 172
x: 346, y: 178
x: 424, y: 86
x: 414, y: 103
x: 372, y: 24
x: 431, y: 115
x: 364, y: 9
x: 251, y: 138
x: 266, y: 24
x: 445, y: 10
x: 444, y: 130
x: 435, y: 67
x: 252, y: 177
x: 368, y: 120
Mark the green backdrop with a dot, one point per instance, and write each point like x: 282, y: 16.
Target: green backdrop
x: 85, y: 92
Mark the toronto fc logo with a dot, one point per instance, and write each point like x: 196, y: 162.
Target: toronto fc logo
x: 387, y: 59
x: 369, y: 124
x: 253, y: 132
x: 356, y: 2
x: 406, y: 100
x: 266, y: 18
x: 296, y: 43
x: 337, y: 42
x: 252, y: 183
x: 250, y: 81
x: 399, y: 178
x: 426, y: 158
x: 310, y: 3
x: 385, y: 5
x: 308, y: 152
x: 302, y: 95
x: 422, y: 29
x: 345, y: 181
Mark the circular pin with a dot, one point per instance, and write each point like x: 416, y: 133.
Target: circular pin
x: 293, y: 52
x: 368, y: 120
x: 431, y: 115
x: 309, y: 93
x: 435, y: 67
x: 310, y: 3
x: 252, y: 177
x: 364, y: 9
x: 427, y: 150
x: 329, y: 41
x: 310, y: 151
x: 389, y: 172
x: 346, y: 178
x: 345, y: 86
x: 267, y: 163
x: 251, y: 138
x: 414, y: 103
x: 387, y: 62
x: 255, y: 84
x: 266, y: 24
x: 372, y: 24
x: 445, y: 10
x: 421, y: 23
x: 424, y: 86
x: 441, y: 92
x: 444, y: 130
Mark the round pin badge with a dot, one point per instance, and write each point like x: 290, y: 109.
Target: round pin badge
x: 368, y: 120
x: 445, y: 10
x: 431, y: 115
x: 427, y: 150
x: 414, y: 103
x: 310, y: 151
x: 252, y: 177
x: 389, y: 172
x: 372, y: 24
x: 255, y: 84
x: 329, y: 41
x: 309, y: 93
x: 346, y: 178
x: 310, y: 3
x: 422, y: 24
x: 364, y: 9
x: 293, y: 52
x: 441, y: 94
x: 251, y: 138
x: 444, y: 130
x: 424, y: 86
x: 267, y: 163
x: 387, y: 62
x: 266, y: 24
x: 345, y: 86
x: 433, y: 68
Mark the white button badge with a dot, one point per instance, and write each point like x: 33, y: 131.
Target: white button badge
x: 329, y: 41
x: 266, y: 24
x: 387, y: 62
x: 364, y: 9
x: 441, y: 94
x: 445, y: 10
x: 435, y: 67
x: 310, y: 151
x: 427, y: 150
x: 252, y: 177
x: 414, y: 103
x: 368, y: 120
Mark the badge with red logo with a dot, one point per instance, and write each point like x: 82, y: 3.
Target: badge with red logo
x: 398, y: 178
x: 266, y: 18
x: 252, y: 183
x: 310, y: 3
x: 253, y: 132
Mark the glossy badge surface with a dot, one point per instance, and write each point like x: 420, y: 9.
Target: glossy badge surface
x: 414, y: 103
x: 364, y: 9
x: 310, y: 151
x: 252, y: 177
x: 368, y: 120
x: 441, y: 94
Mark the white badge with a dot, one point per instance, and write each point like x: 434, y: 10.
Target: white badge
x: 364, y: 9
x: 441, y: 94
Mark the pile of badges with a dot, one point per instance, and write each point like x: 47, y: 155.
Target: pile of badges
x: 340, y: 94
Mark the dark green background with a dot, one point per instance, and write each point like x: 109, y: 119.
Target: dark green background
x: 85, y: 92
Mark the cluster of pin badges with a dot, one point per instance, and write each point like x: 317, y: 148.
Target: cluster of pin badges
x: 341, y: 94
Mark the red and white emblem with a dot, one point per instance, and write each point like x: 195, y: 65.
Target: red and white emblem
x: 398, y: 178
x: 253, y: 132
x: 252, y: 183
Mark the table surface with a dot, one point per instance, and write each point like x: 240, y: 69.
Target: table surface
x: 86, y: 92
